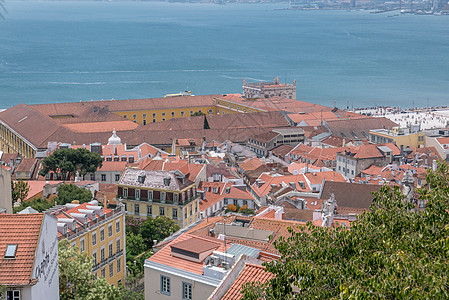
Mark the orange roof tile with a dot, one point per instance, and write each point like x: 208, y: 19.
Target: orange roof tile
x: 164, y: 256
x: 23, y: 230
x: 101, y: 126
x: 250, y: 273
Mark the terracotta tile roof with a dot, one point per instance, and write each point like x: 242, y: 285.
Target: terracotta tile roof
x: 443, y: 140
x: 318, y: 177
x: 24, y: 231
x: 209, y: 200
x: 358, y: 128
x: 109, y: 166
x: 275, y: 181
x: 301, y: 149
x: 351, y: 195
x: 266, y: 136
x: 250, y: 273
x: 164, y: 256
x: 195, y: 245
x: 282, y: 150
x: 372, y: 170
x: 101, y: 126
x: 277, y: 104
x: 251, y: 164
x: 26, y: 165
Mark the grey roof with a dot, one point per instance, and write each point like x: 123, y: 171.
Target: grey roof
x: 238, y: 250
x: 28, y: 210
x: 384, y: 149
x: 153, y: 179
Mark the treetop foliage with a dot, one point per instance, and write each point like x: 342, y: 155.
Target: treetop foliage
x: 69, y: 161
x: 69, y: 192
x: 391, y: 252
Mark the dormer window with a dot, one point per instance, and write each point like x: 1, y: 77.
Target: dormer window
x: 11, y: 250
x: 228, y: 190
x: 215, y: 190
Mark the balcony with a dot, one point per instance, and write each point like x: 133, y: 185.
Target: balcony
x: 171, y: 202
x: 107, y: 261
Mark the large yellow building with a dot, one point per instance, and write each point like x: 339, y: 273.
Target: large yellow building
x: 402, y: 138
x: 98, y: 232
x: 159, y: 193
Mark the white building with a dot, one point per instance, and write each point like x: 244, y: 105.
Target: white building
x: 29, y: 256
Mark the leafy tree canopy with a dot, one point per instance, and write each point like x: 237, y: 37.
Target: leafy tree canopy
x: 391, y: 252
x: 76, y: 280
x: 135, y: 244
x: 39, y: 204
x: 69, y: 161
x: 157, y: 229
x: 69, y: 192
x: 19, y: 190
x: 198, y: 113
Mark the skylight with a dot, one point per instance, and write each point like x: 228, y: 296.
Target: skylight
x: 11, y: 251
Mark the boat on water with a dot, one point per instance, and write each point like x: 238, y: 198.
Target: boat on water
x: 185, y: 93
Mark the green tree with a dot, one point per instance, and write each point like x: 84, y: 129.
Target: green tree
x: 69, y: 192
x: 206, y: 123
x: 69, y: 161
x: 157, y: 229
x: 134, y: 244
x: 39, y: 204
x: 198, y: 113
x: 19, y: 190
x: 76, y: 280
x: 391, y: 252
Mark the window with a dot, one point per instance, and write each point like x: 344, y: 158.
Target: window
x: 165, y: 285
x: 103, y: 177
x: 125, y: 193
x: 136, y: 209
x: 13, y: 295
x: 124, y: 116
x: 103, y: 272
x: 92, y: 177
x: 182, y: 113
x: 110, y: 250
x: 150, y: 195
x: 95, y: 257
x: 149, y: 210
x: 117, y: 177
x: 110, y: 230
x: 137, y: 194
x: 144, y: 116
x: 191, y: 112
x: 111, y: 270
x: 94, y: 239
x: 102, y: 234
x: 161, y: 211
x: 117, y: 226
x: 162, y: 196
x: 117, y: 245
x: 11, y: 251
x: 82, y: 245
x: 144, y: 122
x: 210, y: 111
x: 172, y: 113
x: 186, y: 291
x: 119, y: 265
x: 154, y: 120
x: 134, y: 116
x: 102, y: 254
x: 163, y: 119
x: 154, y: 115
x: 126, y: 206
x: 175, y: 213
x: 163, y: 114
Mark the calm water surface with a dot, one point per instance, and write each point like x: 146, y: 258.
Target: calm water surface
x: 72, y: 51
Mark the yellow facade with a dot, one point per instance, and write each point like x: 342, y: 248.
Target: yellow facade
x: 414, y: 140
x: 189, y: 212
x: 144, y: 117
x: 11, y: 142
x: 92, y: 242
x: 220, y: 107
x: 184, y: 213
